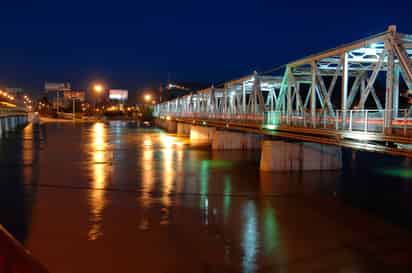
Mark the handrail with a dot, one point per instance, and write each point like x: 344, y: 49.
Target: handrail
x: 358, y: 120
x: 15, y: 258
x: 15, y: 111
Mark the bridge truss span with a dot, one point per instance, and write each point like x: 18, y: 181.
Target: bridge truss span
x: 358, y: 87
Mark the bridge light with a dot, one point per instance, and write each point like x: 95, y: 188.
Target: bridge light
x: 376, y: 45
x: 168, y: 118
x: 270, y: 127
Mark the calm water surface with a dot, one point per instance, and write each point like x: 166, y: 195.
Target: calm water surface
x: 110, y: 197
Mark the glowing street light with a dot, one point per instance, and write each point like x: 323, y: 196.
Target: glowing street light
x: 98, y: 88
x: 147, y: 97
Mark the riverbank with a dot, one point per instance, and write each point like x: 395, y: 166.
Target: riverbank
x: 59, y: 120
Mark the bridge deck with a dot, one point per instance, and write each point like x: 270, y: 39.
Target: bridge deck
x: 373, y: 142
x: 330, y: 96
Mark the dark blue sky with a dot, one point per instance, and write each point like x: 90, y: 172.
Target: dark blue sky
x: 134, y: 44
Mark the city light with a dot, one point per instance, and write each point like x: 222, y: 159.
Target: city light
x: 98, y: 88
x: 147, y: 97
x: 6, y: 95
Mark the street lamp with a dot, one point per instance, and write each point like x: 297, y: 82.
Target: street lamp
x: 147, y: 97
x: 98, y: 88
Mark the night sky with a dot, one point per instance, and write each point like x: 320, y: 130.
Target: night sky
x: 135, y: 44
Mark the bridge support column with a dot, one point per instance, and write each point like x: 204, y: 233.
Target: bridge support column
x: 12, y: 123
x: 225, y: 140
x: 183, y: 129
x: 202, y: 134
x: 287, y: 156
x: 169, y: 126
x: 6, y: 124
x: 1, y: 127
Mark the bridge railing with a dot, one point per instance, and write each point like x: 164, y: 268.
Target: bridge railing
x: 367, y: 121
x: 238, y: 117
x: 5, y: 111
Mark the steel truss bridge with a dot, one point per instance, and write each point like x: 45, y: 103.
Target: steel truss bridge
x: 330, y: 97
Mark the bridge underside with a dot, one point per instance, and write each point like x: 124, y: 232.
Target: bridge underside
x: 10, y: 118
x: 355, y: 95
x: 371, y: 142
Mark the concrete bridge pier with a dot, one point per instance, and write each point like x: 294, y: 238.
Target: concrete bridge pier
x: 202, y: 134
x: 5, y: 124
x: 221, y: 139
x: 227, y: 140
x: 13, y: 122
x: 288, y: 156
x: 169, y: 126
x: 183, y: 129
x: 10, y: 123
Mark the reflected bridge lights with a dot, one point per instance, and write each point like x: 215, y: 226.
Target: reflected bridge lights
x: 169, y: 142
x: 147, y: 142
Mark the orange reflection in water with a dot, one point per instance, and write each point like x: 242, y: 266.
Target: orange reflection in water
x: 148, y: 173
x: 171, y: 147
x: 28, y: 153
x: 97, y: 194
x: 168, y: 169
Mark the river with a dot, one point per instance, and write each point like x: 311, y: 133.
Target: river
x: 111, y: 197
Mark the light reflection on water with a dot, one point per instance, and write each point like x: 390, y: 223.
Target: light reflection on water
x: 28, y: 151
x: 168, y: 174
x: 150, y: 195
x: 97, y: 194
x: 148, y: 172
x: 250, y: 238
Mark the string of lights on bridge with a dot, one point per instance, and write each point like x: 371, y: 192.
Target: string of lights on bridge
x: 6, y: 95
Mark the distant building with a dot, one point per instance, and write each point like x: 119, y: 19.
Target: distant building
x: 57, y: 86
x: 174, y: 90
x: 55, y: 93
x: 118, y: 98
x: 118, y: 95
x: 14, y: 91
x: 68, y: 96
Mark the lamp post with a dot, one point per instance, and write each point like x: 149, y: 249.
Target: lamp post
x: 98, y: 89
x: 74, y: 107
x: 147, y: 98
